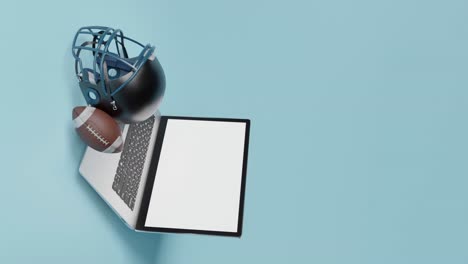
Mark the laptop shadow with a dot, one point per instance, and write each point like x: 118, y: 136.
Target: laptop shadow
x: 142, y: 247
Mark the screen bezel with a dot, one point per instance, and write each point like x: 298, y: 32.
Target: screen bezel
x: 140, y: 226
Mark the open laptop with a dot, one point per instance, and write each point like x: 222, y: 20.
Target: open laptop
x: 175, y: 174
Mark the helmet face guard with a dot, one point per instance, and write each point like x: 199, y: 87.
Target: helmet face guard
x: 127, y: 88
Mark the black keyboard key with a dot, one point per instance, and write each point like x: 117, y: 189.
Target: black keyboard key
x: 132, y: 160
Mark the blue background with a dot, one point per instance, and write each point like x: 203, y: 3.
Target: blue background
x: 359, y: 134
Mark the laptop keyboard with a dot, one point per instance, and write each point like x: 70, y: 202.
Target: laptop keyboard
x: 132, y: 160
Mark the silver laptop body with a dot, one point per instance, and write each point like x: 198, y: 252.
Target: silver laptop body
x: 187, y: 175
x: 99, y: 170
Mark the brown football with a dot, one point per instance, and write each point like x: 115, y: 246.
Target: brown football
x: 97, y: 129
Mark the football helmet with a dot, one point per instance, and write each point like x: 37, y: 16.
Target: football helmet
x: 128, y: 88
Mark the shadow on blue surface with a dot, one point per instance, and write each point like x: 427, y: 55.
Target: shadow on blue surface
x: 143, y: 247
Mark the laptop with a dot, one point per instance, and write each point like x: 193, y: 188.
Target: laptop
x: 175, y: 174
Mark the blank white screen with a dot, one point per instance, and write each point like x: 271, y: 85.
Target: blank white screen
x: 198, y: 180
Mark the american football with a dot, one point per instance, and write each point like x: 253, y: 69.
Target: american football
x: 97, y: 129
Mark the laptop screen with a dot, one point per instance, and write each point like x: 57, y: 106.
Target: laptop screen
x: 197, y: 177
